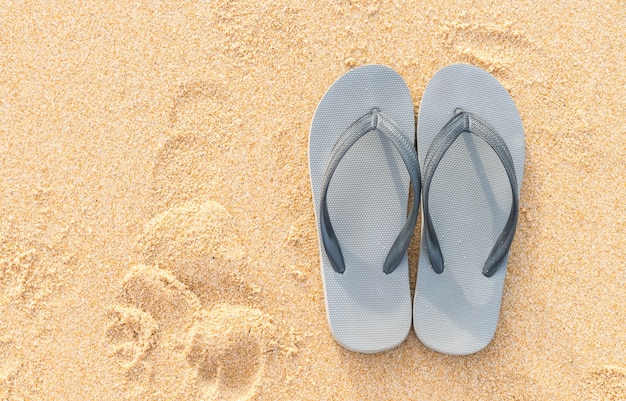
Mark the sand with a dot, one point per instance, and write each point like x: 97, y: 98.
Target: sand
x: 157, y: 235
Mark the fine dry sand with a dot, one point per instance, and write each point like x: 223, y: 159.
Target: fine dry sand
x: 157, y: 235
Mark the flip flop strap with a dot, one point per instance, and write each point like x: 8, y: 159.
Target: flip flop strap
x: 374, y: 121
x: 471, y: 123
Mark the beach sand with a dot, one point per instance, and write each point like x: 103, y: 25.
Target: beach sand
x: 157, y: 234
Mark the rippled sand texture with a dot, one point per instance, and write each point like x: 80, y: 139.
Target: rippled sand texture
x: 157, y: 236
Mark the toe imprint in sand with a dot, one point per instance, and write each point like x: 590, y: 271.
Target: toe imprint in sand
x: 607, y: 384
x: 131, y: 334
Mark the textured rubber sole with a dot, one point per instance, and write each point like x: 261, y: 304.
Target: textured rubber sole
x: 456, y: 312
x: 368, y: 311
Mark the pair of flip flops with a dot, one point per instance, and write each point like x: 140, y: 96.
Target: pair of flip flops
x: 467, y: 173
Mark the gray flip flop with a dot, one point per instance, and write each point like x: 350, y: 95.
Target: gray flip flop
x: 361, y: 160
x: 471, y: 152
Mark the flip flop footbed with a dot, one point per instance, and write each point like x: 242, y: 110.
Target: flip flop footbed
x: 456, y: 312
x: 368, y: 310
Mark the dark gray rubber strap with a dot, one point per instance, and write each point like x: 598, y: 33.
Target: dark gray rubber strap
x: 460, y: 123
x: 375, y: 121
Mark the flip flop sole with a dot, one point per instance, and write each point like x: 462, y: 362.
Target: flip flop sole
x: 456, y: 312
x: 368, y: 311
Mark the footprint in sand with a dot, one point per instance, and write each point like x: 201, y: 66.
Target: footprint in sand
x: 186, y: 327
x: 155, y: 312
x: 492, y: 47
x: 227, y: 349
x: 245, y: 33
x: 220, y: 351
x: 185, y: 310
x: 196, y: 158
x: 606, y: 384
x: 200, y: 245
